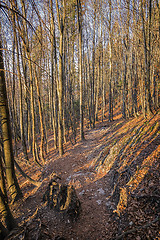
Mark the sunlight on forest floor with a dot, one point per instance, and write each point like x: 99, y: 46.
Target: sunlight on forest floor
x: 107, y: 169
x: 133, y: 146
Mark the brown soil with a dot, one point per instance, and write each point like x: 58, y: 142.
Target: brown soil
x: 94, y: 186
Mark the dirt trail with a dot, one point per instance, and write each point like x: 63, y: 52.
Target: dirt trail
x: 72, y: 169
x: 77, y: 167
x: 92, y: 194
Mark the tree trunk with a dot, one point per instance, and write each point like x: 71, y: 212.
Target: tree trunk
x: 54, y: 68
x: 61, y: 24
x: 34, y: 146
x: 93, y: 73
x: 60, y: 98
x: 98, y: 87
x: 23, y: 140
x: 3, y: 232
x: 103, y: 89
x: 110, y: 67
x: 2, y: 176
x: 6, y: 213
x: 124, y: 90
x: 79, y: 10
x: 135, y: 84
x: 41, y: 118
x: 147, y: 54
x: 6, y: 135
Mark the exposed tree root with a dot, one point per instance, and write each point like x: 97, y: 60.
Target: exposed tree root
x: 34, y: 182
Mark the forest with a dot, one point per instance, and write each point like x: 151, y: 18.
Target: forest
x: 79, y: 112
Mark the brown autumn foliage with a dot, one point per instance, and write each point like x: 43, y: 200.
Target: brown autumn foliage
x: 115, y: 172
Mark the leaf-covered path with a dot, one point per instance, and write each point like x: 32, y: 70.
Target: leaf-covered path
x: 109, y: 170
x: 74, y: 168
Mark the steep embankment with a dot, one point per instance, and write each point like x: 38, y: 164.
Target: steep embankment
x: 116, y: 174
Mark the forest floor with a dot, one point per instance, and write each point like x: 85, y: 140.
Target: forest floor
x: 116, y: 174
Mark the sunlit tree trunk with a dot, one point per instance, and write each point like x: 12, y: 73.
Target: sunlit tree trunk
x: 110, y: 66
x: 14, y: 103
x: 41, y: 117
x: 54, y: 75
x: 74, y: 128
x: 103, y: 86
x: 129, y: 65
x: 158, y: 6
x: 147, y: 54
x: 23, y: 140
x: 89, y: 90
x: 34, y: 146
x: 64, y: 85
x: 25, y: 39
x: 93, y: 71
x: 98, y: 88
x: 80, y: 68
x: 2, y: 174
x: 135, y: 66
x: 124, y: 89
x: 27, y: 96
x: 61, y: 24
x: 135, y: 85
x: 6, y: 134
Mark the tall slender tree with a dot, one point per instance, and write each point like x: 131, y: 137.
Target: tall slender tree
x: 13, y: 185
x: 61, y: 25
x: 79, y: 11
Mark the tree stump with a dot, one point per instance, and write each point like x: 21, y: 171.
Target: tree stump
x: 62, y: 198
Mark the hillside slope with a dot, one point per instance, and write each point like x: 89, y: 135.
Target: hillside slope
x: 116, y: 173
